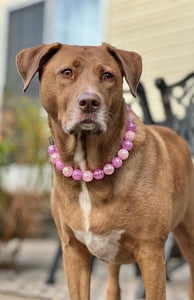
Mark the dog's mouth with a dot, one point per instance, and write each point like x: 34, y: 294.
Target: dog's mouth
x: 86, y: 126
x: 86, y: 123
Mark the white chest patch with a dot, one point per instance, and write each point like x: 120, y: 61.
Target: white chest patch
x: 79, y: 155
x: 85, y: 203
x: 84, y: 197
x: 104, y: 246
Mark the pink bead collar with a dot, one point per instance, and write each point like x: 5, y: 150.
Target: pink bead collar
x: 109, y: 168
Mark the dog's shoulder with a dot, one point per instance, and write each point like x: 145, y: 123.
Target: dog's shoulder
x: 168, y: 135
x: 170, y: 141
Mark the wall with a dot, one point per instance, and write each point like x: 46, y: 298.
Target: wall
x: 162, y: 32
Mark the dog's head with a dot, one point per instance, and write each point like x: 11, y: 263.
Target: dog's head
x: 80, y: 86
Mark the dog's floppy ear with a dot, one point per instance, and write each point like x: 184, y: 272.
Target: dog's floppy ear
x: 130, y: 63
x: 30, y: 60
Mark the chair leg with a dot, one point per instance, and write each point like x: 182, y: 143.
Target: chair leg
x: 140, y: 291
x: 54, y: 266
x: 92, y: 262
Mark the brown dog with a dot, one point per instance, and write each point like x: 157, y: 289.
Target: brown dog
x: 126, y: 216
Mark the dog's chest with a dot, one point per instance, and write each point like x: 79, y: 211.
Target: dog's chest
x: 103, y: 246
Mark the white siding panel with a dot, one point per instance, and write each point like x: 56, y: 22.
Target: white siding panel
x: 162, y: 32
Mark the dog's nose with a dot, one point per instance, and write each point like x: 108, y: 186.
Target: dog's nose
x: 89, y: 102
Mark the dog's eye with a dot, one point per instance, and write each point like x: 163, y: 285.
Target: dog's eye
x: 107, y: 76
x: 67, y: 73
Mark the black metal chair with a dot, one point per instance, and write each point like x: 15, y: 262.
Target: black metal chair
x: 178, y: 101
x: 54, y: 266
x: 179, y: 94
x: 142, y: 102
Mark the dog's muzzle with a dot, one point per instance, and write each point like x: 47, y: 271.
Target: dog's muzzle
x: 88, y: 116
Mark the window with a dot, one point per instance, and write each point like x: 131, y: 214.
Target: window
x: 78, y: 22
x: 25, y: 30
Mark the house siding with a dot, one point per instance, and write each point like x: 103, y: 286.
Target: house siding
x: 162, y: 32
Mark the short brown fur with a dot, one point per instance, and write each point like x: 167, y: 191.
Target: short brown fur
x: 151, y: 195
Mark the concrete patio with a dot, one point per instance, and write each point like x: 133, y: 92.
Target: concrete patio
x: 28, y: 280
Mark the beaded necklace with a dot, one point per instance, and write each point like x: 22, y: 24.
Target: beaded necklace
x: 109, y: 168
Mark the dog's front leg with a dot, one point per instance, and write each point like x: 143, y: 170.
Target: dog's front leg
x: 151, y: 261
x: 113, y: 283
x: 76, y: 260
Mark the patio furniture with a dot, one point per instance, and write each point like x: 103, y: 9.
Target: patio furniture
x: 178, y: 101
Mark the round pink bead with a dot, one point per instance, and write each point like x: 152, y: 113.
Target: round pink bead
x: 128, y: 145
x: 77, y: 174
x: 55, y: 157
x: 87, y: 176
x: 131, y: 117
x: 131, y: 126
x: 98, y: 174
x: 117, y: 162
x: 108, y: 169
x: 67, y: 171
x: 59, y: 165
x: 130, y: 135
x: 52, y: 149
x: 123, y: 154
